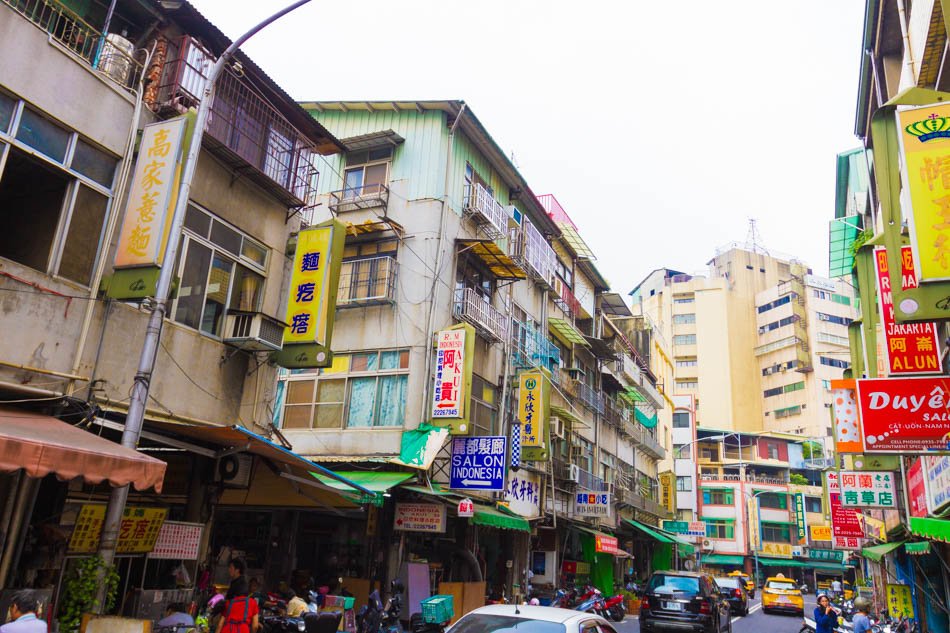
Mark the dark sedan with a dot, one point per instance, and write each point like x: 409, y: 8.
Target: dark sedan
x: 683, y: 602
x: 733, y: 590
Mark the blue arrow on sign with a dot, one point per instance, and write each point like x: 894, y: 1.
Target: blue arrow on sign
x: 478, y: 463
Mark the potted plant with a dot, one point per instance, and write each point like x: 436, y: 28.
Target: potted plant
x: 80, y: 592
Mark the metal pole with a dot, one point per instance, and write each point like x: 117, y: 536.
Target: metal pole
x: 105, y: 33
x: 143, y: 376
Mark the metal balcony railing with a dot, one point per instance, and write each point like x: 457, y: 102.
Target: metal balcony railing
x: 566, y: 301
x: 486, y: 212
x: 475, y: 309
x: 244, y: 129
x: 372, y: 196
x: 365, y: 282
x: 590, y: 397
x: 530, y: 348
x: 111, y: 54
x: 646, y: 442
x: 534, y: 255
x: 616, y: 415
x: 590, y: 481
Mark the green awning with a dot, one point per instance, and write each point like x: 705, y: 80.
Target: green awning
x: 877, y: 552
x: 379, y: 483
x: 722, y: 559
x: 917, y: 549
x: 652, y: 532
x: 825, y: 565
x: 782, y: 562
x: 565, y: 414
x: 937, y: 529
x: 420, y: 446
x: 435, y: 491
x: 633, y: 395
x: 490, y: 517
x: 645, y: 420
x: 683, y: 546
x: 565, y: 330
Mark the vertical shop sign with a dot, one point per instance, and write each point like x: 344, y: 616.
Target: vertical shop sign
x: 917, y: 489
x: 667, y: 496
x: 925, y: 145
x: 867, y: 489
x: 801, y: 521
x: 899, y: 603
x: 910, y: 348
x: 154, y: 190
x: 844, y: 521
x: 523, y: 494
x: 532, y: 408
x: 847, y: 419
x: 313, y: 284
x: 449, y: 388
x: 937, y: 474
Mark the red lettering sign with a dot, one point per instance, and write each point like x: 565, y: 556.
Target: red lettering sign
x: 903, y: 415
x: 916, y: 489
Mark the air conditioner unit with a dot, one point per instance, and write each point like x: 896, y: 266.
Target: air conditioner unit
x: 574, y: 473
x: 234, y: 471
x: 253, y: 331
x: 706, y: 545
x: 557, y: 427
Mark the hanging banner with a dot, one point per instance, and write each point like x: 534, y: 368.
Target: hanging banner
x: 925, y: 144
x: 867, y: 489
x: 801, y: 521
x: 909, y: 348
x: 820, y: 533
x: 152, y: 196
x: 904, y: 415
x: 846, y: 417
x: 937, y: 476
x: 532, y: 407
x: 844, y: 521
x: 523, y: 494
x: 917, y: 489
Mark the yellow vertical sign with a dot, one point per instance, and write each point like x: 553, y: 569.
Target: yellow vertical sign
x: 138, y: 530
x: 899, y: 601
x: 925, y: 145
x: 532, y: 413
x: 307, y: 302
x: 153, y: 192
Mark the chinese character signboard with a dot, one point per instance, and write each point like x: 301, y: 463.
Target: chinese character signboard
x: 675, y: 527
x: 533, y: 403
x: 138, y: 531
x: 820, y: 533
x: 449, y: 388
x: 904, y: 414
x: 925, y: 144
x: 153, y: 192
x: 478, y: 463
x: 867, y: 489
x: 523, y: 494
x: 592, y: 504
x: 696, y: 528
x: 847, y: 542
x: 917, y: 489
x: 911, y: 348
x: 937, y: 476
x: 606, y: 544
x: 420, y: 517
x: 178, y: 541
x: 899, y: 603
x: 800, y: 518
x: 667, y: 493
x: 833, y: 555
x: 466, y: 508
x: 783, y: 550
x: 844, y: 521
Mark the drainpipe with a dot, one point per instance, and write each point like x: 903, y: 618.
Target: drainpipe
x: 908, y: 54
x: 439, y: 258
x: 505, y: 351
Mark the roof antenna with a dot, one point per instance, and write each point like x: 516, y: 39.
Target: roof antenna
x: 753, y: 239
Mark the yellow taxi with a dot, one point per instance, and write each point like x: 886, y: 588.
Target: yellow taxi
x: 747, y: 581
x: 782, y: 594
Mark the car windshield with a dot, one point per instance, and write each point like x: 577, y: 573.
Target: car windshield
x: 667, y: 583
x: 485, y: 623
x: 781, y: 584
x: 731, y: 583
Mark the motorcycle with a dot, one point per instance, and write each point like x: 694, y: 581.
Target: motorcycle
x: 809, y: 626
x: 615, y: 608
x: 564, y: 599
x: 375, y: 618
x: 594, y: 603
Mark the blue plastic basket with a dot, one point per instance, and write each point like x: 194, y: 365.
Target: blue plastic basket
x: 437, y: 609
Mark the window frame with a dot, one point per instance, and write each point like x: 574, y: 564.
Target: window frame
x: 363, y: 166
x: 688, y: 487
x: 727, y: 527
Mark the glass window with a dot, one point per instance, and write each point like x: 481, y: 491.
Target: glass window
x: 486, y: 623
x: 197, y: 221
x: 774, y: 501
x: 684, y: 484
x: 362, y: 407
x: 331, y: 395
x: 43, y: 135
x: 216, y: 300
x: 719, y: 528
x: 684, y: 319
x: 247, y: 291
x: 682, y: 451
x: 775, y: 532
x: 298, y: 407
x: 667, y: 583
x: 226, y: 238
x: 718, y: 497
x: 7, y: 106
x: 684, y: 339
x: 83, y: 235
x: 681, y: 420
x: 254, y: 252
x: 94, y: 163
x: 812, y: 504
x: 191, y: 289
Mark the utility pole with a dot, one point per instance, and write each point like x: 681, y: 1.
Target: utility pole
x: 158, y: 305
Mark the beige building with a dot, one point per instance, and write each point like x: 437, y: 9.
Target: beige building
x: 754, y: 342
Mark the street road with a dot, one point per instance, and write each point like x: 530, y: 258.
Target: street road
x: 755, y: 622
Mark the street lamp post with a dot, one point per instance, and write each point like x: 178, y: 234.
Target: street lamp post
x: 758, y: 522
x: 157, y: 305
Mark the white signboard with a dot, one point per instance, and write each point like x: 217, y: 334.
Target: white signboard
x: 696, y: 528
x: 420, y: 517
x: 466, y: 508
x: 867, y: 489
x: 821, y: 283
x: 178, y: 541
x: 449, y: 389
x: 592, y: 504
x: 937, y: 473
x: 523, y: 493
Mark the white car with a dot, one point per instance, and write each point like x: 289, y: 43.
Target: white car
x: 509, y: 618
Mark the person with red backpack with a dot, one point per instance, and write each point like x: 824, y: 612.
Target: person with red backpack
x: 240, y: 611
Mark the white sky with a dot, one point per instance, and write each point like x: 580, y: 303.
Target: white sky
x: 661, y: 126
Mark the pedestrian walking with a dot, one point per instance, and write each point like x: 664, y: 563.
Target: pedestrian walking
x: 826, y: 618
x: 23, y: 615
x: 236, y: 570
x: 240, y: 615
x: 861, y: 622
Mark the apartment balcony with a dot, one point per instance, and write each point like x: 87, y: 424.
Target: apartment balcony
x: 475, y: 309
x: 591, y: 398
x: 723, y: 477
x: 530, y: 348
x: 485, y: 211
x: 111, y: 55
x: 625, y: 496
x: 644, y: 441
x: 367, y: 282
x: 244, y: 131
x: 566, y: 301
x: 532, y: 252
x: 616, y: 415
x: 362, y: 198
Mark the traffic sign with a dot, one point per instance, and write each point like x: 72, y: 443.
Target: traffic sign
x: 478, y: 463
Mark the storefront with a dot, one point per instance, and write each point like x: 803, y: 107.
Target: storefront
x: 723, y: 563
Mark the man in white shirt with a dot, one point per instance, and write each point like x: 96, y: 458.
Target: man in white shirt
x: 836, y: 587
x: 23, y: 615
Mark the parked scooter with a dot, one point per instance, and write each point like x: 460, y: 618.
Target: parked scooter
x: 375, y: 618
x: 616, y: 608
x: 594, y: 603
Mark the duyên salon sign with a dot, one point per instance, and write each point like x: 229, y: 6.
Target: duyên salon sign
x: 900, y: 415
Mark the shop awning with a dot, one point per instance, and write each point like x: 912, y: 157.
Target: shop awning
x: 565, y: 330
x: 653, y: 533
x: 378, y: 482
x: 877, y: 552
x: 490, y: 517
x: 937, y: 529
x: 633, y: 396
x: 782, y: 562
x: 420, y: 446
x: 435, y: 491
x: 566, y: 414
x: 644, y: 419
x: 498, y: 262
x: 41, y: 444
x: 237, y: 439
x: 722, y: 559
x: 917, y: 549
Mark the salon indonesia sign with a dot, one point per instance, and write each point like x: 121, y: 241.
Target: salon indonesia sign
x: 901, y: 415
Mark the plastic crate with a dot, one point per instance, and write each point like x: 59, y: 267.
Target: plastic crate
x: 437, y: 609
